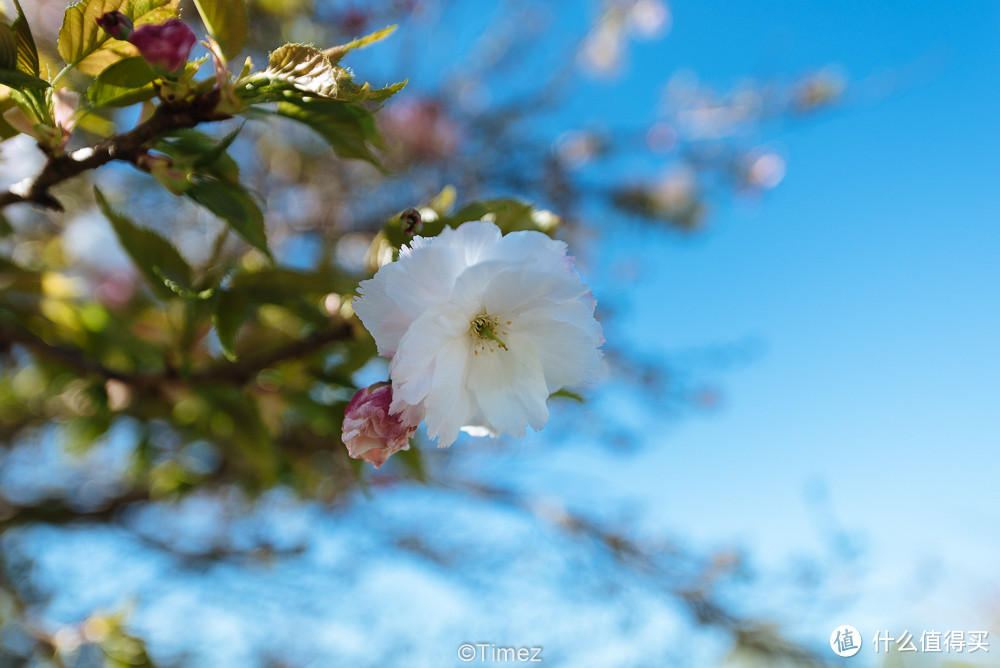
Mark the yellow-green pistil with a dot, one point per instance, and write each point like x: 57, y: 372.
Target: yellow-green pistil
x: 485, y: 327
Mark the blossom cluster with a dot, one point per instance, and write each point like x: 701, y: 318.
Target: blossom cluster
x: 481, y: 328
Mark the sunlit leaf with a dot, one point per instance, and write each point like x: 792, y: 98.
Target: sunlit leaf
x: 226, y: 21
x: 8, y: 48
x: 27, y: 54
x: 305, y: 68
x: 337, y: 52
x: 351, y: 92
x: 80, y: 36
x: 126, y: 82
x: 163, y: 266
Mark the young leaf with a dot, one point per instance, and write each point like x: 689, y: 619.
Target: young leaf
x: 27, y: 54
x: 126, y: 82
x: 163, y: 266
x: 335, y: 53
x: 305, y: 68
x: 351, y: 92
x: 230, y: 313
x: 232, y: 203
x: 226, y: 21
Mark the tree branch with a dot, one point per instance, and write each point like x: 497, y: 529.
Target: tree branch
x: 128, y: 147
x: 237, y: 373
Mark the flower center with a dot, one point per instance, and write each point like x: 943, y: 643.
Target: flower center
x: 486, y: 331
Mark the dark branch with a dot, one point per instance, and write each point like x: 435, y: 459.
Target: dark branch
x: 237, y: 373
x: 60, y: 512
x: 128, y: 147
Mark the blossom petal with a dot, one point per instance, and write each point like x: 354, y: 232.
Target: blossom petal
x: 449, y: 402
x: 521, y: 290
x: 565, y: 343
x: 509, y: 386
x: 474, y: 240
x: 429, y: 334
x: 534, y: 248
x: 381, y: 315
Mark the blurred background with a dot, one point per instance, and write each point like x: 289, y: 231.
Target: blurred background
x: 787, y: 213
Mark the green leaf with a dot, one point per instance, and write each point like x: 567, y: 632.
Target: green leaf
x: 292, y: 290
x: 305, y: 68
x: 567, y: 394
x: 21, y: 80
x: 163, y: 266
x: 230, y: 313
x: 337, y: 52
x: 351, y: 92
x: 5, y: 227
x: 8, y: 48
x: 232, y: 203
x: 226, y: 21
x: 217, y: 153
x: 201, y: 151
x: 80, y: 37
x: 126, y: 82
x: 27, y: 54
x: 412, y: 462
x: 348, y: 128
x: 276, y: 285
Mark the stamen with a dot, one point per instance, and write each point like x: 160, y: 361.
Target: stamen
x: 485, y: 327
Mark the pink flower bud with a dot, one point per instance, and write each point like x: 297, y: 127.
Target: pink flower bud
x: 115, y: 24
x: 370, y: 431
x: 165, y: 46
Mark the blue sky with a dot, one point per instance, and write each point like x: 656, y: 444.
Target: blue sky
x: 868, y: 282
x: 870, y: 275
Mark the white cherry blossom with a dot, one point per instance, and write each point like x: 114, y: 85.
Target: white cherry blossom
x: 481, y: 329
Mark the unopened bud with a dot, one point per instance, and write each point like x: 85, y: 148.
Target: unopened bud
x: 411, y: 221
x: 370, y: 432
x: 115, y: 24
x: 165, y: 46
